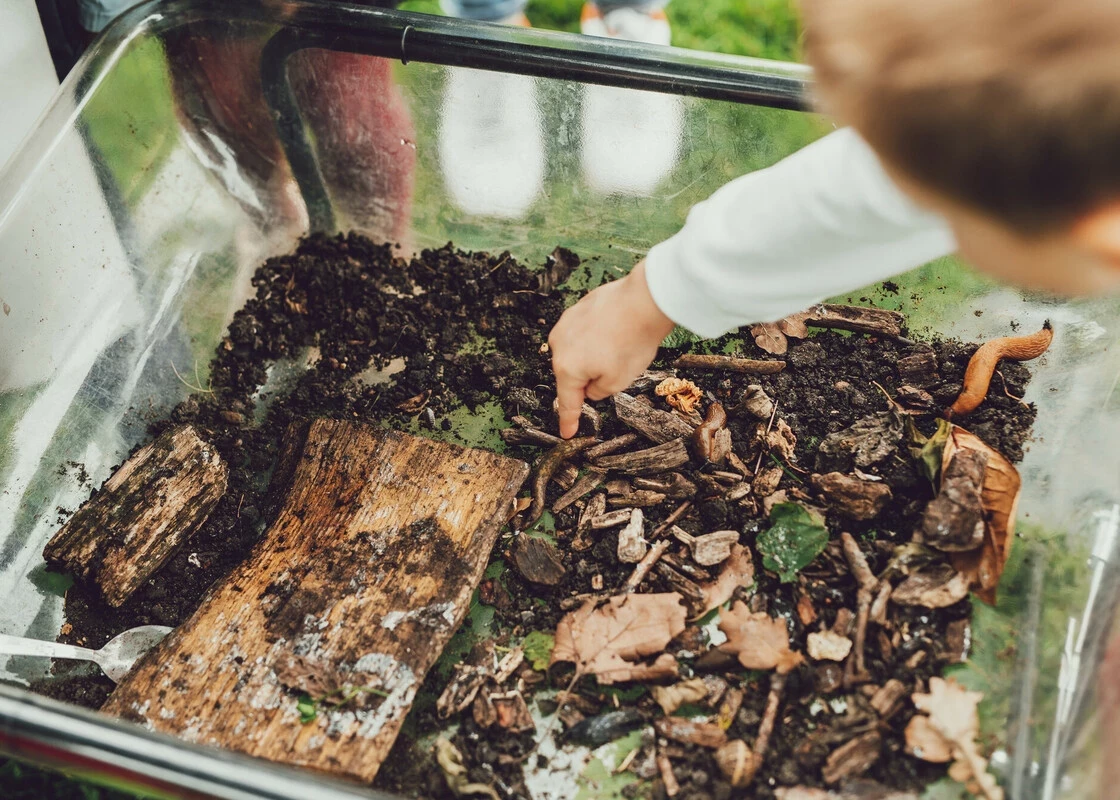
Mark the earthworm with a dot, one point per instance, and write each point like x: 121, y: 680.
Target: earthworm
x: 547, y: 468
x: 982, y: 365
x: 703, y: 435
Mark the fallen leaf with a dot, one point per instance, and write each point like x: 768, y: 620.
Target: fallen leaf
x: 759, y: 641
x: 795, y: 537
x: 781, y: 440
x: 769, y: 337
x: 794, y: 326
x: 538, y: 649
x: 866, y: 442
x: 416, y: 403
x: 680, y: 393
x: 953, y: 715
x: 937, y: 587
x: 828, y: 646
x: 1000, y: 498
x: 923, y: 742
x: 929, y: 452
x: 670, y: 698
x: 607, y: 641
x: 689, y: 731
x: 737, y: 570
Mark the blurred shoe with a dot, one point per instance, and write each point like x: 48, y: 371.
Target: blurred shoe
x: 631, y: 139
x: 490, y: 141
x: 651, y: 27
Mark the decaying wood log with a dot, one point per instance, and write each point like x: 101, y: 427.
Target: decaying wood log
x: 656, y: 425
x: 748, y: 366
x: 142, y: 515
x: 366, y: 573
x: 651, y: 461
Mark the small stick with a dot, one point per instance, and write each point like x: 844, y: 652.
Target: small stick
x: 590, y: 481
x: 626, y: 762
x: 748, y: 366
x: 679, y: 582
x: 765, y: 449
x: 769, y: 718
x: 529, y: 436
x: 547, y: 466
x: 855, y: 670
x: 672, y: 519
x: 879, y: 607
x: 611, y: 446
x: 642, y: 568
x: 672, y: 788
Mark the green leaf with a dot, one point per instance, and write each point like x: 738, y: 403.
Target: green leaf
x: 794, y: 539
x: 928, y: 452
x: 538, y: 649
x: 308, y: 709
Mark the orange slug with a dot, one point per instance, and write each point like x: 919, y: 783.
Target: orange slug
x: 982, y: 365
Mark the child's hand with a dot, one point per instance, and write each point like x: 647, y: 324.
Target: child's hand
x: 603, y: 342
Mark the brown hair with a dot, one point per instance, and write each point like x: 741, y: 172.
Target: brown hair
x: 1009, y: 106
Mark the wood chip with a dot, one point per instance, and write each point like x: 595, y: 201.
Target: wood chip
x: 641, y: 498
x: 611, y: 519
x: 651, y: 461
x: 656, y: 425
x: 687, y: 731
x: 854, y: 758
x: 538, y: 561
x: 632, y: 546
x: 588, y: 482
x: 851, y: 496
x: 828, y: 646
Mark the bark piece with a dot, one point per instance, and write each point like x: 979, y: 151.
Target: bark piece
x: 687, y: 731
x: 709, y: 549
x: 538, y: 561
x: 651, y: 461
x: 588, y: 482
x: 610, y: 446
x: 866, y: 442
x: 747, y: 366
x: 851, y: 496
x: 566, y: 475
x: 919, y: 369
x: 674, y: 485
x: 632, y: 546
x: 886, y: 700
x: 656, y: 425
x: 528, y: 436
x: 854, y: 758
x: 857, y: 319
x: 670, y: 698
x: 954, y: 520
x: 511, y: 712
x: 643, y: 498
x: 368, y: 568
x: 611, y: 519
x: 143, y: 514
x: 937, y: 587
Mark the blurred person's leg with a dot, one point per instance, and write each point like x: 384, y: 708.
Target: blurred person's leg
x: 364, y: 138
x: 631, y: 139
x: 491, y: 147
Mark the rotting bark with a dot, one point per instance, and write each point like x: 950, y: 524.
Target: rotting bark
x: 651, y: 461
x: 143, y: 514
x: 656, y: 425
x: 441, y: 508
x: 858, y: 319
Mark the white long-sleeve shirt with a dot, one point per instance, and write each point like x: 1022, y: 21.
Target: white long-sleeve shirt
x: 823, y: 221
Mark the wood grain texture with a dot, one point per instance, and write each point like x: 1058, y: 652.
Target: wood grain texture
x: 366, y: 573
x: 142, y: 515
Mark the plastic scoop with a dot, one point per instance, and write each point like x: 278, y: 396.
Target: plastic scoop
x: 116, y: 658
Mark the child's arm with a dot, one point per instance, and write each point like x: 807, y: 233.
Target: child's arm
x: 826, y: 220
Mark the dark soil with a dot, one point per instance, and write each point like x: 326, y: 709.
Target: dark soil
x: 362, y: 306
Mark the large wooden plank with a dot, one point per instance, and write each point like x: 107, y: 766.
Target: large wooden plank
x: 365, y: 574
x: 142, y: 515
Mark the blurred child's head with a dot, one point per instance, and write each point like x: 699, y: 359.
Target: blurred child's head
x: 1003, y: 115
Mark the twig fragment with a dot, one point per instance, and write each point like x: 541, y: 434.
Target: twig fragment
x: 748, y: 366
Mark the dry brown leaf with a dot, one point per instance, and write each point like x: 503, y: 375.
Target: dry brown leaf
x: 680, y: 393
x: 938, y: 587
x: 737, y: 570
x: 1000, y: 498
x: 923, y: 742
x: 952, y: 714
x: 794, y: 326
x: 670, y: 698
x: 607, y: 641
x: 760, y: 641
x: 781, y: 440
x: 769, y: 337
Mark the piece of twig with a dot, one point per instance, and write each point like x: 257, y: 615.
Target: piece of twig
x: 610, y: 446
x: 769, y: 718
x: 547, y: 466
x: 855, y: 670
x: 765, y: 436
x: 650, y: 461
x: 643, y: 567
x: 748, y: 366
x: 528, y: 436
x: 665, y: 767
x: 672, y: 519
x: 590, y: 481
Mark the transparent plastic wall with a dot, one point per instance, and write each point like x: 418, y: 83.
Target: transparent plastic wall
x: 197, y: 139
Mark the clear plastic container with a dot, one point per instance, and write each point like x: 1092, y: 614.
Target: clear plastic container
x: 197, y: 138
